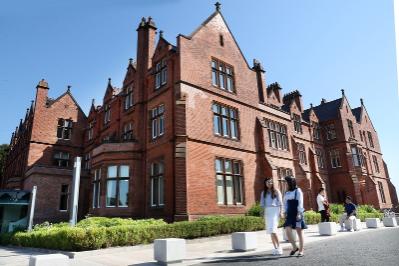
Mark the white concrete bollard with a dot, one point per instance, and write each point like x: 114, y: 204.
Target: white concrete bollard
x: 357, y: 225
x: 244, y: 241
x: 373, y: 222
x: 389, y: 222
x: 169, y: 250
x: 49, y: 260
x: 294, y: 235
x: 350, y: 223
x: 327, y: 228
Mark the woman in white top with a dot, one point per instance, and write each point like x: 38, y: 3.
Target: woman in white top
x: 293, y: 206
x: 271, y: 202
x: 322, y: 205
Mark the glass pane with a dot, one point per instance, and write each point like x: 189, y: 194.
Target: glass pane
x: 221, y: 80
x: 220, y: 188
x: 154, y: 128
x: 238, y: 189
x: 124, y: 171
x: 94, y: 195
x: 161, y: 193
x: 229, y: 84
x: 213, y: 64
x: 229, y: 189
x: 214, y: 78
x: 216, y: 108
x: 161, y: 125
x: 111, y: 193
x: 233, y: 128
x: 218, y: 166
x: 233, y: 113
x: 112, y: 171
x: 236, y: 168
x: 123, y: 193
x: 154, y: 191
x: 216, y: 125
x: 227, y: 166
x: 161, y: 168
x: 224, y: 111
x: 225, y: 127
x: 161, y: 109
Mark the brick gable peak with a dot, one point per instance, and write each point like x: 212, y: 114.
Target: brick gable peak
x: 217, y: 16
x: 110, y: 91
x: 67, y: 93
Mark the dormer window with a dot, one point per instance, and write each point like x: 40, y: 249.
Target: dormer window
x: 107, y: 114
x: 330, y: 130
x: 222, y: 76
x: 64, y: 129
x: 127, y: 131
x: 316, y: 131
x: 90, y: 132
x: 297, y: 123
x: 350, y: 127
x: 161, y: 73
x: 128, y: 97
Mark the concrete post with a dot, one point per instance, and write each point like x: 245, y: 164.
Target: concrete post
x: 32, y: 207
x: 75, y: 192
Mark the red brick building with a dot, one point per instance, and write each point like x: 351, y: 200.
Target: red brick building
x: 194, y: 130
x: 41, y: 153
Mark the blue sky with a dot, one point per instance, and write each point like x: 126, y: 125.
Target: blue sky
x: 318, y: 47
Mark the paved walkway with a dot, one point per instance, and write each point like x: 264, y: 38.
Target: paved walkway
x: 198, y: 250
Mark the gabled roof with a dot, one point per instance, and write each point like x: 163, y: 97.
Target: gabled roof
x: 50, y: 101
x: 212, y: 16
x: 326, y: 111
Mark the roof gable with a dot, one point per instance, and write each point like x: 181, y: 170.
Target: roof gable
x: 216, y: 20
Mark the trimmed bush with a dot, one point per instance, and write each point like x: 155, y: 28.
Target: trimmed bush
x: 100, y: 232
x: 255, y: 210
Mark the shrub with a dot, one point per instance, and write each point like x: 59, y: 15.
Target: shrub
x: 255, y: 210
x: 100, y: 232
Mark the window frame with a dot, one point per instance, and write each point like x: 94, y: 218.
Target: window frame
x: 331, y: 133
x: 64, y: 129
x: 302, y: 157
x: 157, y: 121
x: 127, y: 134
x: 278, y: 135
x: 157, y: 179
x: 160, y: 74
x: 335, y: 158
x: 375, y: 162
x: 117, y: 179
x: 58, y: 161
x: 370, y: 137
x: 129, y: 98
x: 351, y: 129
x: 297, y: 123
x: 237, y: 182
x: 320, y: 158
x: 223, y: 71
x: 107, y: 114
x: 226, y: 121
x: 96, y: 197
x: 62, y: 195
x: 382, y: 192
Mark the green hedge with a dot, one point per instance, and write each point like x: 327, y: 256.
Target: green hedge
x: 100, y: 233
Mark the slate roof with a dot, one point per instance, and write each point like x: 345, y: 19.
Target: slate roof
x: 356, y: 112
x: 325, y: 111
